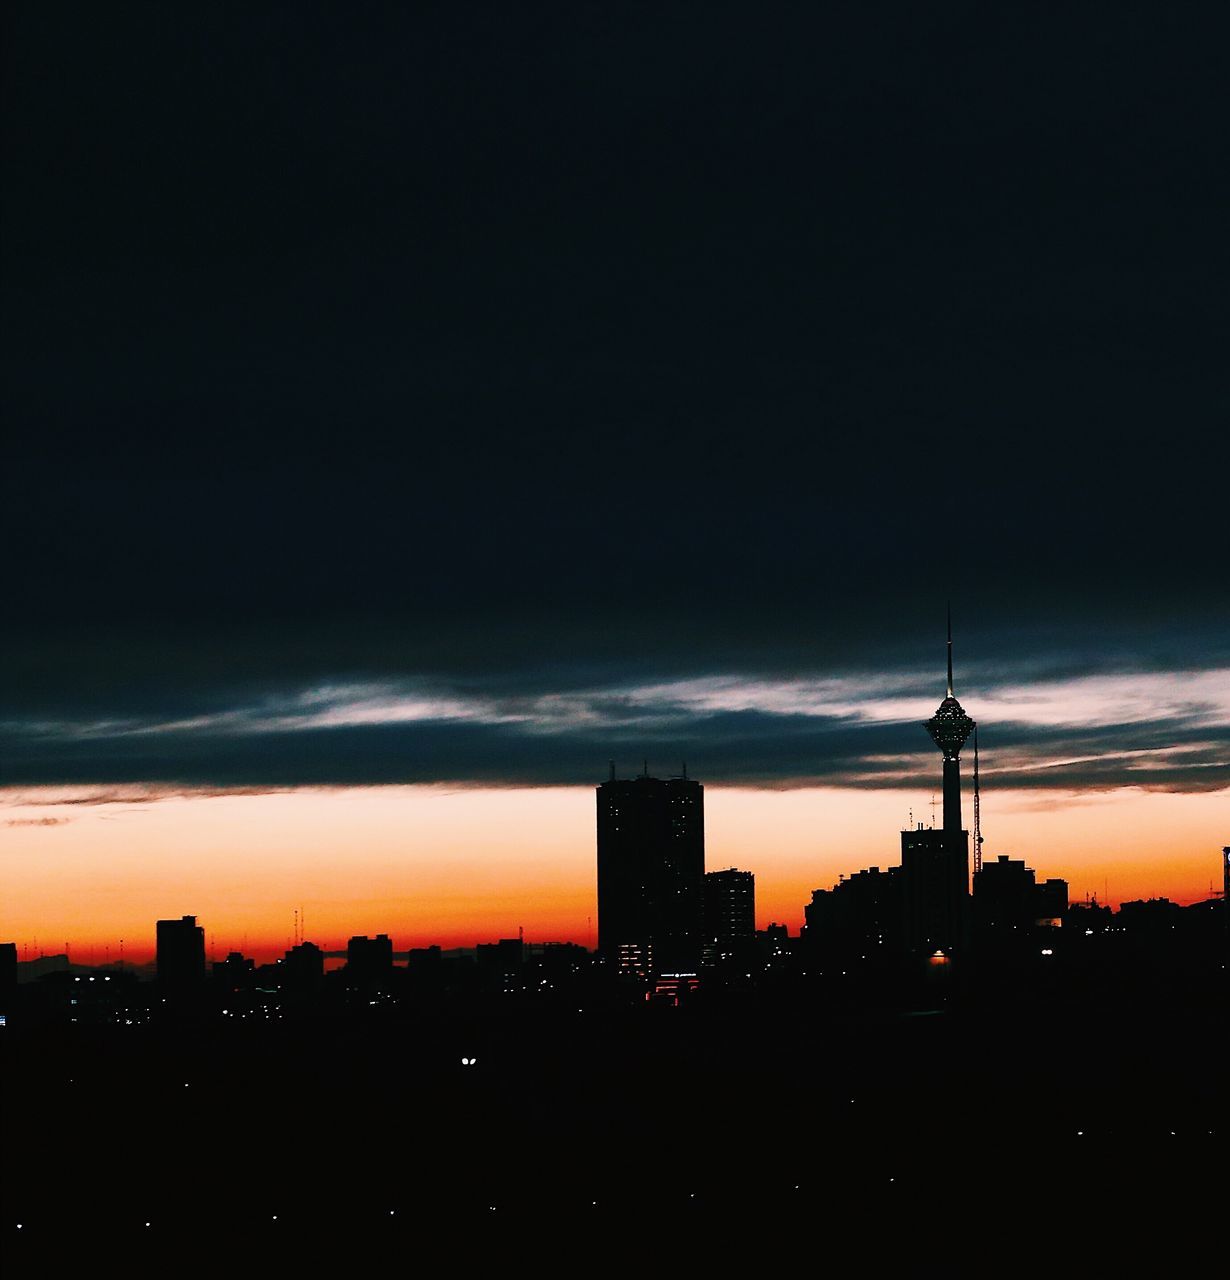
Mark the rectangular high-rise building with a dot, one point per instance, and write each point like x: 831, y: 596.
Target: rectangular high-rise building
x: 181, y: 952
x: 651, y: 871
x: 935, y: 889
x: 730, y: 914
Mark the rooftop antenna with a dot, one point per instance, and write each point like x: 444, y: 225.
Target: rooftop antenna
x: 685, y: 768
x: 977, y: 797
x: 644, y: 768
x: 612, y: 764
x: 950, y: 650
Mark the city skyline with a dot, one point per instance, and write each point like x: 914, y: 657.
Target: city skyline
x: 515, y: 902
x: 421, y: 909
x: 1078, y: 837
x: 484, y: 492
x: 410, y: 411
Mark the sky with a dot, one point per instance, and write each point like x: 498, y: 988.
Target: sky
x: 411, y: 409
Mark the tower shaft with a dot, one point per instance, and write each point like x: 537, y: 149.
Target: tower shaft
x: 952, y: 794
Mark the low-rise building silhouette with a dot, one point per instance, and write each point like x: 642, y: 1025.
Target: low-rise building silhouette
x: 499, y: 963
x: 1008, y: 898
x: 303, y: 966
x: 860, y: 915
x: 236, y: 973
x: 369, y: 961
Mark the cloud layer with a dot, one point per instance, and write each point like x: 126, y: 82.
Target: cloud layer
x: 1151, y: 729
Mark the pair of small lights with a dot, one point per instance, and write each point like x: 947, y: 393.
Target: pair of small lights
x: 469, y: 1062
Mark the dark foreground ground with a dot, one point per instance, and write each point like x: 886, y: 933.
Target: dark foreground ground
x: 637, y: 1138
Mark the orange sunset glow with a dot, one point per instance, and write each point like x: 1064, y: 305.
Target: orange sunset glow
x: 616, y: 636
x: 457, y: 866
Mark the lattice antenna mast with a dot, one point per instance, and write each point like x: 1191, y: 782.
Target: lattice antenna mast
x: 977, y: 810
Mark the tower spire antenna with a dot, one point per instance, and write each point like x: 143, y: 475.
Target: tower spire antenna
x: 977, y: 810
x: 950, y: 650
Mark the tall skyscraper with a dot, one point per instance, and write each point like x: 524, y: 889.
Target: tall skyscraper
x: 935, y: 864
x: 651, y: 869
x: 181, y: 952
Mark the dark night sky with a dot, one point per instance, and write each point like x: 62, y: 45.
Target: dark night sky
x: 512, y: 352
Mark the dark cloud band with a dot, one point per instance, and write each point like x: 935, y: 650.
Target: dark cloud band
x: 849, y: 731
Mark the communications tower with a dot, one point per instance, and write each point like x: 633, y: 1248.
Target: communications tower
x: 935, y: 864
x: 949, y: 728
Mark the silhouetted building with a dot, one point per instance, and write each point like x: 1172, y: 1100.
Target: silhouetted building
x: 369, y: 960
x: 425, y: 963
x: 235, y: 973
x: 1052, y: 902
x: 87, y: 997
x: 934, y: 884
x: 1084, y: 919
x: 554, y: 964
x: 774, y: 943
x: 180, y: 953
x: 1150, y: 917
x: 1007, y: 897
x: 673, y: 988
x: 499, y: 963
x: 730, y: 914
x: 1015, y: 919
x: 857, y: 917
x: 8, y: 965
x: 1004, y: 896
x: 651, y: 867
x: 304, y: 965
